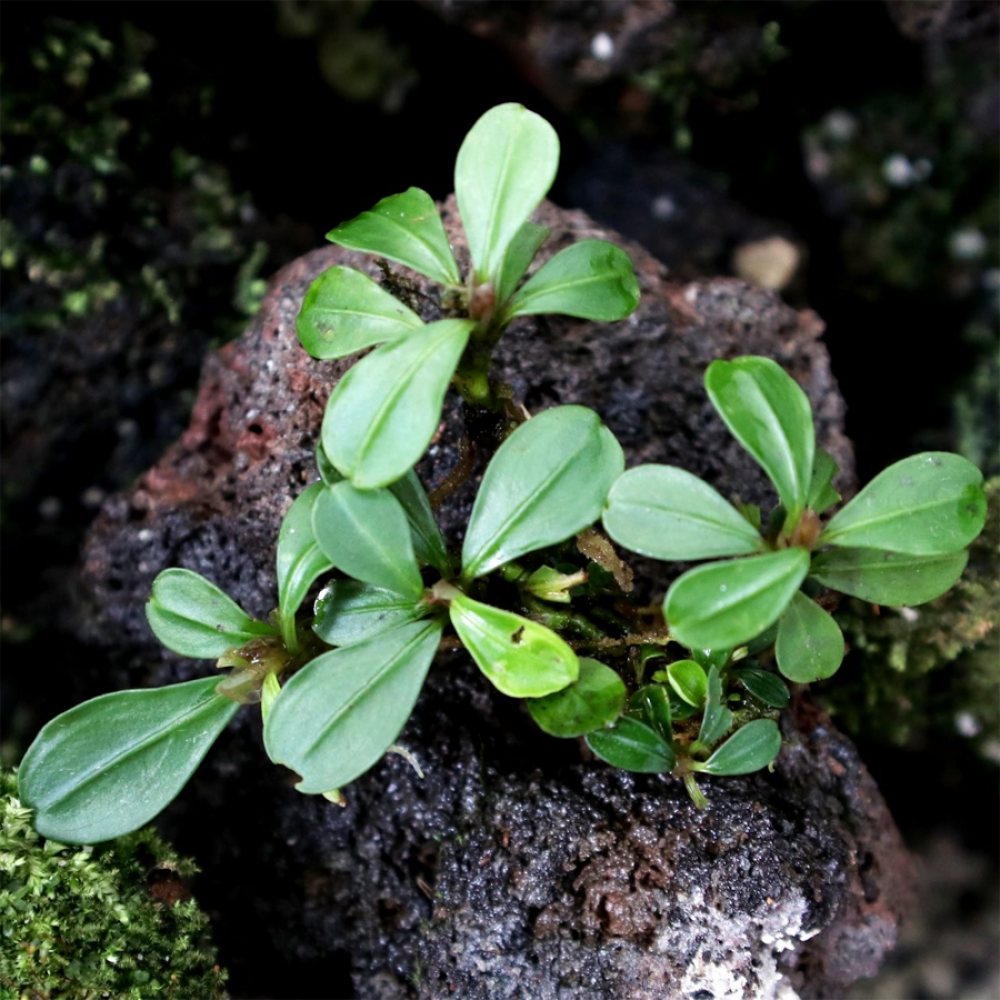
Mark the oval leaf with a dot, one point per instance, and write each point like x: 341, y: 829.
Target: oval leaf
x: 764, y: 686
x: 505, y: 167
x: 547, y: 481
x: 349, y: 611
x: 428, y: 545
x: 341, y: 712
x: 517, y: 259
x: 822, y: 496
x: 750, y: 748
x: 810, y: 645
x: 928, y: 504
x: 110, y: 765
x: 194, y: 618
x: 365, y: 534
x: 519, y: 657
x: 651, y: 705
x: 385, y: 410
x: 726, y: 604
x: 770, y: 416
x: 632, y: 746
x: 327, y: 472
x: 666, y: 513
x: 689, y: 680
x: 717, y: 720
x: 405, y: 228
x: 595, y: 700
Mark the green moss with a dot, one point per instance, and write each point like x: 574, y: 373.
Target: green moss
x: 88, y: 922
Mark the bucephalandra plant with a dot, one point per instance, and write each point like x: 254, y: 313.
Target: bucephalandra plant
x: 535, y: 589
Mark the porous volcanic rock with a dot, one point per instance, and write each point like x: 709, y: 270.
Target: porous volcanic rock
x: 517, y: 867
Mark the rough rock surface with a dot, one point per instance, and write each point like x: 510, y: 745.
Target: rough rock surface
x: 516, y: 868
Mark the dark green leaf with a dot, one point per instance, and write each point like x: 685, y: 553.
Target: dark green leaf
x: 810, y: 645
x: 717, y: 720
x: 750, y: 748
x: 708, y: 658
x: 518, y: 257
x: 651, y: 705
x: 427, y: 541
x: 327, y: 472
x: 822, y: 495
x: 764, y: 686
x: 762, y: 641
x: 110, y: 765
x: 595, y: 700
x: 349, y: 611
x: 689, y: 680
x: 632, y: 746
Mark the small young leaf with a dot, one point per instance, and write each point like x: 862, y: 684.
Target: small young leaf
x: 595, y: 700
x: 708, y: 658
x: 324, y: 466
x: 300, y: 560
x: 546, y: 482
x: 632, y: 746
x: 810, y: 645
x: 770, y: 416
x: 592, y: 279
x: 344, y: 312
x: 194, y: 618
x: 349, y: 611
x: 651, y: 705
x: 689, y: 680
x: 717, y: 720
x: 341, y: 712
x: 108, y: 766
x: 505, y: 167
x: 519, y: 255
x: 928, y: 504
x: 822, y: 495
x: 385, y: 410
x: 764, y: 686
x: 750, y: 748
x: 666, y: 513
x: 405, y: 228
x: 890, y: 578
x: 725, y: 604
x: 365, y: 534
x: 427, y: 541
x: 519, y: 657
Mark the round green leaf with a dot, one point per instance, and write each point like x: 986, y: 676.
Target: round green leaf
x: 750, y: 748
x: 725, y: 604
x: 385, y: 410
x: 519, y: 255
x: 519, y: 657
x: 928, y: 504
x: 764, y: 686
x: 666, y: 513
x: 689, y: 680
x: 547, y: 481
x: 632, y: 746
x: 341, y: 712
x: 891, y: 578
x: 108, y: 766
x: 349, y: 611
x: 651, y: 705
x: 810, y: 645
x: 596, y: 699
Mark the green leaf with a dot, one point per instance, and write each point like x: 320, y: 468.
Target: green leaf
x: 385, y: 410
x: 427, y: 541
x: 108, y: 766
x: 519, y: 657
x: 770, y: 416
x: 717, y: 720
x: 365, y: 534
x: 750, y: 748
x: 300, y: 560
x: 632, y: 746
x: 764, y: 686
x: 547, y: 481
x: 928, y: 504
x: 517, y: 259
x: 708, y: 658
x: 194, y: 618
x: 327, y: 472
x: 689, y: 680
x: 651, y: 705
x: 890, y: 578
x: 822, y: 495
x: 595, y: 700
x: 349, y: 611
x: 810, y: 645
x: 592, y: 279
x: 405, y: 228
x: 340, y: 713
x: 344, y: 312
x: 666, y: 513
x: 505, y: 167
x: 725, y: 604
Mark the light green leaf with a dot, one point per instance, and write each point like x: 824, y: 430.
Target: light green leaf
x: 427, y: 541
x: 505, y: 167
x: 108, y: 766
x: 717, y: 720
x: 519, y: 657
x: 810, y: 645
x: 689, y: 680
x: 547, y: 481
x: 925, y: 505
x: 596, y: 699
x: 770, y: 416
x: 822, y: 495
x: 385, y: 410
x: 340, y: 713
x: 666, y: 513
x: 651, y: 705
x: 344, y: 312
x: 194, y: 618
x: 632, y: 746
x: 349, y: 611
x: 517, y: 259
x: 890, y: 578
x: 750, y: 748
x: 405, y: 228
x: 592, y: 279
x: 365, y: 534
x: 300, y: 560
x: 726, y: 604
x: 764, y: 686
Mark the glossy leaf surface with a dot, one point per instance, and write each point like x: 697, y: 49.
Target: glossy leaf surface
x: 651, y: 705
x: 822, y: 496
x: 428, y: 545
x: 716, y: 720
x: 689, y: 680
x: 349, y: 611
x: 595, y: 700
x: 325, y: 467
x: 108, y: 766
x: 632, y: 746
x: 764, y: 686
x: 810, y: 645
x: 749, y: 749
x: 517, y: 259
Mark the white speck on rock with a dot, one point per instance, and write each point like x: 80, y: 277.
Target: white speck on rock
x: 602, y: 46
